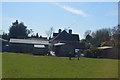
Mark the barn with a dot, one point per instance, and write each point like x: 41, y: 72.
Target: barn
x: 65, y: 42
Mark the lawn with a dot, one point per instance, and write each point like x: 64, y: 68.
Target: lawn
x: 17, y: 65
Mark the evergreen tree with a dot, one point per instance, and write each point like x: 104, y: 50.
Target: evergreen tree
x: 18, y: 30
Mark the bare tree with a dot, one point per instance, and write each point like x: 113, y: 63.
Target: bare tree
x: 116, y: 35
x: 100, y: 35
x: 30, y: 32
x: 50, y: 32
x: 88, y: 32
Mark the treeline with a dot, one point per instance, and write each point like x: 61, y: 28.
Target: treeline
x: 19, y: 31
x: 102, y: 37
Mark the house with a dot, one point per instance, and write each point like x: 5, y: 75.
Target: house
x: 34, y: 46
x: 63, y: 43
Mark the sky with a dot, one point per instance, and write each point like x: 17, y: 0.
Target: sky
x: 78, y: 16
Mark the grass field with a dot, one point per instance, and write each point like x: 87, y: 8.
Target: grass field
x: 28, y: 66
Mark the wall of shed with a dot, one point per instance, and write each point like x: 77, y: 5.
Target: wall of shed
x: 27, y: 48
x: 40, y: 51
x: 64, y: 50
x: 111, y: 53
x: 22, y: 48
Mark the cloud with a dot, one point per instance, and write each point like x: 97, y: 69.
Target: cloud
x: 73, y: 10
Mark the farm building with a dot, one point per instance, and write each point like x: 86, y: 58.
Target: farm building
x: 64, y: 43
x: 34, y: 46
x: 4, y: 45
x: 109, y: 52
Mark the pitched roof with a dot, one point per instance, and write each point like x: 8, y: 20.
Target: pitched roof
x: 64, y: 36
x: 55, y: 34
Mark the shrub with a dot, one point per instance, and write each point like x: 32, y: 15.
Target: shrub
x: 93, y: 53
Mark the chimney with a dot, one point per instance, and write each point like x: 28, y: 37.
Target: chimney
x: 59, y: 31
x: 70, y: 31
x: 16, y: 21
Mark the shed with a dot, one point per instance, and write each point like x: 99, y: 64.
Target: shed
x: 36, y: 46
x: 109, y: 52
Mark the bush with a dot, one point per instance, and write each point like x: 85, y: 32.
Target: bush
x: 93, y: 53
x: 108, y: 43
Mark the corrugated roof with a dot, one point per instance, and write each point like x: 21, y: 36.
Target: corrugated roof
x: 28, y: 41
x: 3, y: 40
x: 105, y: 47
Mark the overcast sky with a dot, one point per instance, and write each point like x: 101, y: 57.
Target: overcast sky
x: 78, y: 16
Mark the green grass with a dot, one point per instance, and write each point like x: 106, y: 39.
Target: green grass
x: 28, y: 66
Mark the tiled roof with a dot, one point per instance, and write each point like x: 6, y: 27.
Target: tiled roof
x: 55, y: 34
x: 64, y: 36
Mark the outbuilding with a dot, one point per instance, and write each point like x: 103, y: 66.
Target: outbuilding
x: 34, y: 46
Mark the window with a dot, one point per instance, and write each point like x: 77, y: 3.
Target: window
x: 77, y: 50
